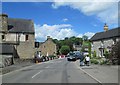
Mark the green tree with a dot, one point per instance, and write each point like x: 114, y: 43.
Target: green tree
x: 94, y: 54
x: 106, y: 53
x: 65, y: 49
x: 85, y: 38
x: 115, y: 53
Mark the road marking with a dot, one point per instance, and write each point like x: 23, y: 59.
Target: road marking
x: 27, y: 67
x: 21, y: 69
x: 89, y: 74
x: 36, y: 74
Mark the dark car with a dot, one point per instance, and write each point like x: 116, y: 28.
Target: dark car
x: 71, y: 57
x: 78, y: 55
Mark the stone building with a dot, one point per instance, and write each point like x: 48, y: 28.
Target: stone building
x: 102, y: 41
x: 48, y: 47
x: 19, y: 33
x: 77, y: 47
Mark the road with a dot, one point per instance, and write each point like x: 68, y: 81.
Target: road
x: 55, y: 71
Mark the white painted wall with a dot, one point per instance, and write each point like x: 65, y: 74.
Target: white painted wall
x: 11, y: 37
x: 96, y: 45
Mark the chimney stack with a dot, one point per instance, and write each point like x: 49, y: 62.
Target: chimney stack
x: 105, y: 27
x: 49, y: 38
x: 4, y: 22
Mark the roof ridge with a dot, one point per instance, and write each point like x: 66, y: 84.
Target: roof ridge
x: 21, y: 19
x: 108, y: 34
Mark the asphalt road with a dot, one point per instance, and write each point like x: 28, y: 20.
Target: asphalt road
x: 55, y: 71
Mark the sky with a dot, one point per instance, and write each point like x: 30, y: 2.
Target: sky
x: 65, y: 18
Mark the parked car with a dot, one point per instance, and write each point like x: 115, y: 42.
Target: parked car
x: 71, y: 57
x: 78, y: 55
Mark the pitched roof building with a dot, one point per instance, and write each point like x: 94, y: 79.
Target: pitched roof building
x: 21, y: 25
x: 102, y: 41
x: 48, y: 47
x: 19, y: 33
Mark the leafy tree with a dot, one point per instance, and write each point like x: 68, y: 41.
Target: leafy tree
x: 69, y: 42
x: 115, y: 52
x: 85, y: 38
x: 106, y: 54
x: 94, y: 54
x: 65, y: 49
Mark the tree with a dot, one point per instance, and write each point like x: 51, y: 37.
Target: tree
x: 94, y: 54
x: 65, y: 49
x: 106, y: 54
x: 115, y: 53
x: 85, y: 38
x: 69, y: 42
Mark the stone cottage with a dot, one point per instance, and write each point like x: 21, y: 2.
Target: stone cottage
x: 102, y: 41
x: 19, y: 33
x: 48, y: 47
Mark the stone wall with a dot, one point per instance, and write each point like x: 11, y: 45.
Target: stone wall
x: 96, y: 46
x: 6, y: 60
x: 48, y: 48
x: 26, y: 49
x: 106, y: 43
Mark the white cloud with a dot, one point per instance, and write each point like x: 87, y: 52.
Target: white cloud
x: 65, y: 20
x: 56, y: 32
x: 89, y: 34
x: 106, y: 11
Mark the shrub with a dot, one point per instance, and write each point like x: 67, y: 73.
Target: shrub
x: 65, y: 49
x: 102, y: 62
x: 94, y: 54
x: 94, y: 61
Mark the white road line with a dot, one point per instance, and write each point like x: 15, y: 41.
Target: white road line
x: 36, y: 74
x: 89, y: 75
x: 26, y: 67
x: 21, y: 69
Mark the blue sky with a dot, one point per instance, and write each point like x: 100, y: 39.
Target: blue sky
x: 60, y: 20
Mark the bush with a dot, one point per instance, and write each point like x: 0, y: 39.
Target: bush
x: 94, y: 61
x: 94, y: 54
x: 102, y: 62
x: 65, y: 49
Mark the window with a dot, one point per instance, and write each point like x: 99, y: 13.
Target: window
x: 26, y: 37
x: 3, y: 37
x: 36, y: 44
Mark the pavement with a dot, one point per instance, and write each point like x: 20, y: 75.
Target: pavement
x: 102, y: 73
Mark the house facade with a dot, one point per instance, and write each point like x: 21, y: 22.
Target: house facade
x: 19, y: 33
x: 104, y: 40
x: 48, y: 47
x: 77, y: 47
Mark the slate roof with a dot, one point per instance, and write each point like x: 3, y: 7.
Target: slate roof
x: 21, y: 25
x: 106, y: 35
x: 6, y: 49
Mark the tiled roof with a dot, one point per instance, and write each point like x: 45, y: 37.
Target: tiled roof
x: 21, y: 25
x: 106, y: 35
